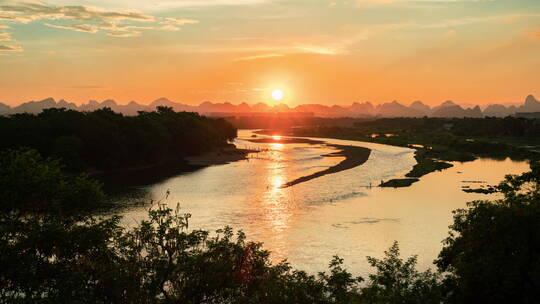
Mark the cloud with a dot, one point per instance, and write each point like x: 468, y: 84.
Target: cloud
x: 87, y: 19
x: 87, y: 28
x: 416, y: 1
x: 177, y: 21
x: 263, y: 56
x: 124, y: 35
x: 173, y: 24
x: 25, y: 12
x: 4, y: 36
x: 474, y: 20
x: 10, y: 48
x: 87, y: 87
x: 160, y: 5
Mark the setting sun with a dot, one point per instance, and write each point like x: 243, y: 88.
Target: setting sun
x: 277, y: 94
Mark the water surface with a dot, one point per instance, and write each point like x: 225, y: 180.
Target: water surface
x: 337, y: 214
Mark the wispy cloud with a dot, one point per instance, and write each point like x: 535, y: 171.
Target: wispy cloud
x: 160, y: 5
x: 124, y: 35
x: 360, y: 2
x: 262, y: 56
x: 173, y: 24
x: 86, y: 87
x: 474, y: 20
x: 4, y: 36
x: 87, y: 28
x: 10, y: 48
x: 26, y: 12
x: 88, y: 19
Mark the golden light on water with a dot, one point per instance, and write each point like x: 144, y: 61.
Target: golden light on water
x: 276, y: 181
x: 276, y: 199
x: 276, y: 146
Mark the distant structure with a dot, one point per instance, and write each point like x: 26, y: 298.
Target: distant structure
x: 528, y: 115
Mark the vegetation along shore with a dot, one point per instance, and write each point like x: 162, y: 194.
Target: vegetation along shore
x: 438, y: 141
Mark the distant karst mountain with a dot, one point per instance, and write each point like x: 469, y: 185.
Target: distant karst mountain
x: 421, y: 107
x: 497, y: 110
x: 366, y: 109
x: 530, y: 105
x: 395, y: 109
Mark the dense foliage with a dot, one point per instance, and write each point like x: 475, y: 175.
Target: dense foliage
x: 104, y: 140
x: 473, y: 127
x: 491, y: 255
x: 493, y: 251
x: 161, y: 261
x: 450, y: 139
x: 31, y: 184
x: 53, y: 257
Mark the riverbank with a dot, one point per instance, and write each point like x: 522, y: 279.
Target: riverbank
x: 399, y: 183
x: 119, y: 180
x: 432, y: 153
x: 425, y: 164
x: 354, y: 157
x: 219, y: 157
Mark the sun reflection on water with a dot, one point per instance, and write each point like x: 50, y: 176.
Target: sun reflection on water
x: 276, y: 201
x: 276, y: 146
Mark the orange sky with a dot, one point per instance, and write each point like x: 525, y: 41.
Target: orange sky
x: 328, y: 52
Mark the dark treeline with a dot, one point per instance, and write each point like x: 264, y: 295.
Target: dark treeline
x: 277, y: 121
x: 104, y: 140
x: 474, y: 127
x: 51, y: 255
x: 455, y: 139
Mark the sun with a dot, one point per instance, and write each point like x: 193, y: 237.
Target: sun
x: 277, y: 94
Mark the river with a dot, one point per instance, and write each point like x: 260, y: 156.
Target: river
x: 337, y: 214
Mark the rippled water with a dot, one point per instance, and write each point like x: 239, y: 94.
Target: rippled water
x: 335, y: 214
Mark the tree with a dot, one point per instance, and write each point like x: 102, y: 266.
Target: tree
x: 160, y: 261
x: 30, y: 183
x: 492, y: 252
x: 398, y: 281
x: 104, y: 140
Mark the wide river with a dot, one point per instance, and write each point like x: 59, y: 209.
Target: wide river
x: 337, y: 214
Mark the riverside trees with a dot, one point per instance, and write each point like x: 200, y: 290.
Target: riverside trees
x: 61, y: 254
x: 105, y: 140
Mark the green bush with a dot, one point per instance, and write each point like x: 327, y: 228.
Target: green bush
x: 492, y: 252
x: 30, y: 183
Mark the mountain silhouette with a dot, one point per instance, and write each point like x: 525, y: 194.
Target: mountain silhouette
x: 530, y: 105
x: 497, y: 110
x: 421, y: 107
x: 395, y: 109
x: 457, y: 111
x: 355, y: 110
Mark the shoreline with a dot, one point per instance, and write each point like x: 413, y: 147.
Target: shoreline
x: 354, y: 157
x: 150, y: 174
x: 220, y: 157
x: 424, y: 165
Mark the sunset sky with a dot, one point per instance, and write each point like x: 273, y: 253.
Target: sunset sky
x: 316, y: 51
